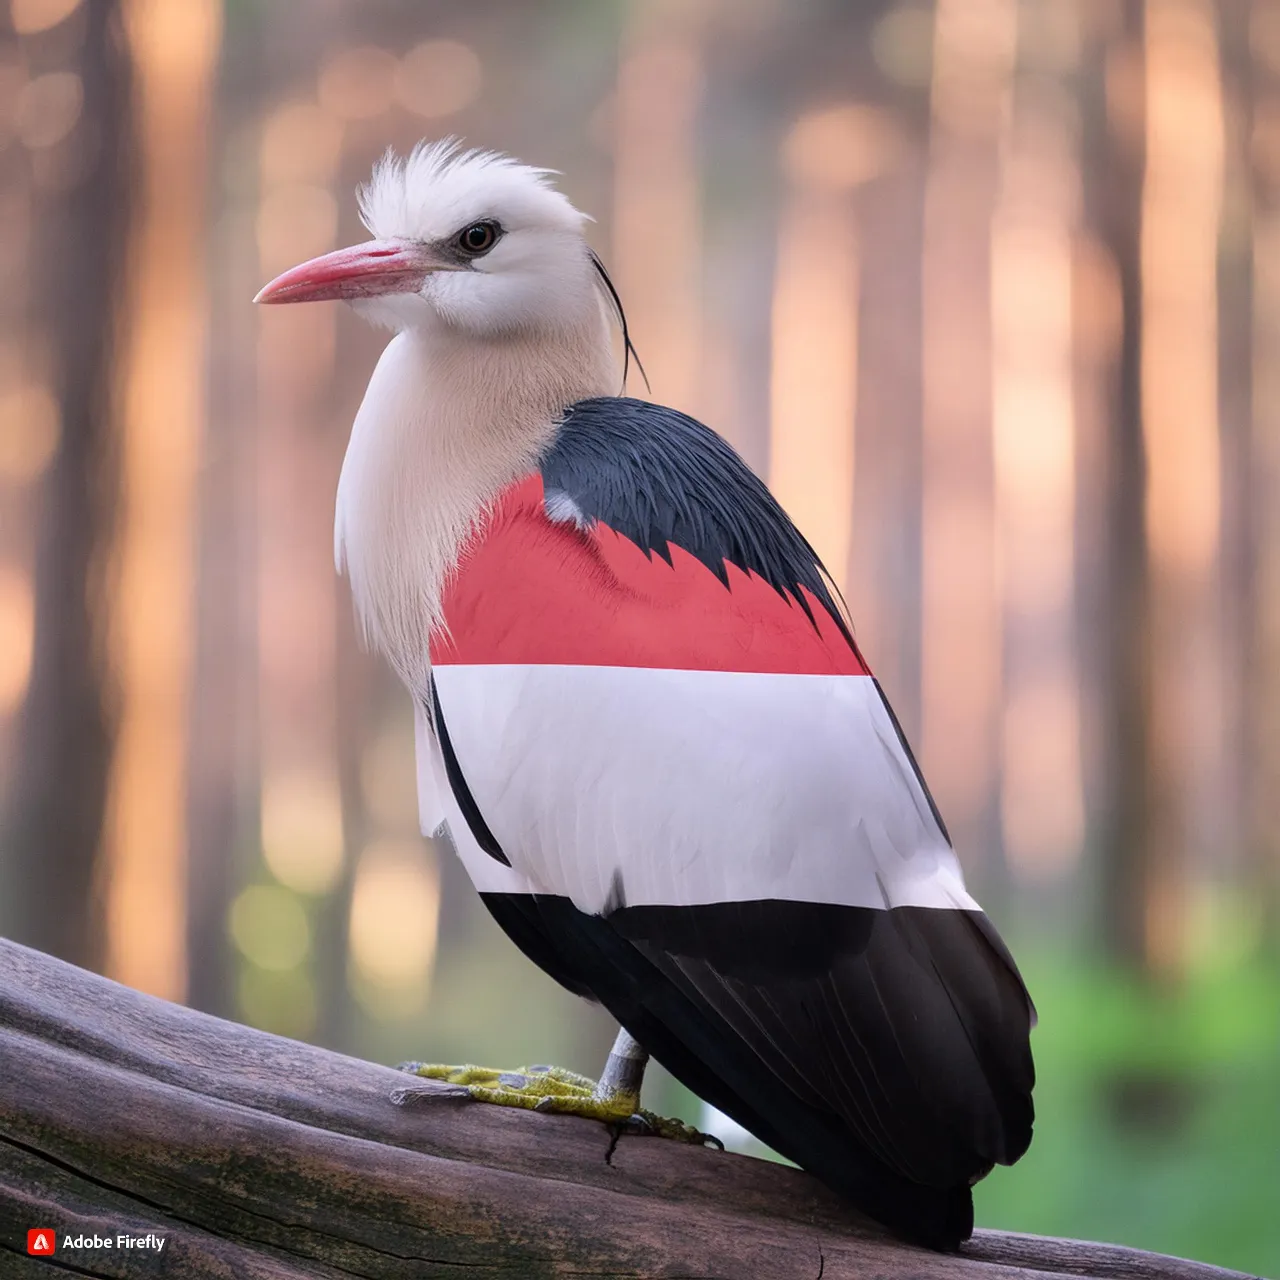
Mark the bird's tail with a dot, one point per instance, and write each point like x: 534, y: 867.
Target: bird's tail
x: 936, y: 1217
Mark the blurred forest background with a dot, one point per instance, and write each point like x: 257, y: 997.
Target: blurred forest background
x: 988, y: 289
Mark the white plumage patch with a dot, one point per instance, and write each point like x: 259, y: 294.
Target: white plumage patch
x: 433, y: 785
x: 683, y: 788
x: 561, y: 508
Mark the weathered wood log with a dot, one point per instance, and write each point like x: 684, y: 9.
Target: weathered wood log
x: 255, y: 1156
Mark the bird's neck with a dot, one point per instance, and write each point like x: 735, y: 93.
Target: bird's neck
x: 447, y: 422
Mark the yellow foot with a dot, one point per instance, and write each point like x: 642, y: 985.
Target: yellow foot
x: 561, y: 1092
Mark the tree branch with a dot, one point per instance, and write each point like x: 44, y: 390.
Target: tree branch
x: 255, y: 1156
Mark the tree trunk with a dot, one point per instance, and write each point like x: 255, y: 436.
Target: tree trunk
x: 58, y: 787
x: 1113, y: 146
x: 1262, y: 653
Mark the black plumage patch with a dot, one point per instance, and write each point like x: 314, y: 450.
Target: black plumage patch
x: 662, y: 479
x: 743, y: 938
x: 458, y: 785
x: 884, y: 1051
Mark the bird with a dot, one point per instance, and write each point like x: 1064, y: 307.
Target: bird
x: 643, y: 721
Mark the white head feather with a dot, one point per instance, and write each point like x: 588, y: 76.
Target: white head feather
x: 484, y: 362
x: 535, y: 275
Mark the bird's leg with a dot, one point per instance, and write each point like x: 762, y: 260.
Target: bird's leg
x: 623, y: 1073
x: 619, y: 1085
x: 613, y: 1099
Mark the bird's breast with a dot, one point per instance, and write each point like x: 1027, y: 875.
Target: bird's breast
x: 532, y: 589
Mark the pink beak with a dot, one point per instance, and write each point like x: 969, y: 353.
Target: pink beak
x: 362, y: 271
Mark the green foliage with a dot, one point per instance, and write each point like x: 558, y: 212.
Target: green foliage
x: 1158, y: 1114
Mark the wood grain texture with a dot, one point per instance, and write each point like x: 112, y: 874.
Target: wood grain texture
x: 256, y: 1156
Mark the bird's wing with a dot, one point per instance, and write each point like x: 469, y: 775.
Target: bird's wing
x: 651, y: 711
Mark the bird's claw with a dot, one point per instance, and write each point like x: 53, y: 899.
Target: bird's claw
x: 648, y: 1124
x: 554, y: 1090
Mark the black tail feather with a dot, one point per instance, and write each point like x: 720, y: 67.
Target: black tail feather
x: 661, y: 998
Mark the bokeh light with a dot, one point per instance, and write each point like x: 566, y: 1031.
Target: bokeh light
x: 270, y: 928
x: 358, y: 84
x: 17, y: 631
x: 29, y: 17
x: 302, y: 840
x: 438, y: 78
x: 394, y: 908
x: 48, y: 108
x: 29, y: 429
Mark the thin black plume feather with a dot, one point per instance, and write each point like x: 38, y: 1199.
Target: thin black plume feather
x: 629, y: 352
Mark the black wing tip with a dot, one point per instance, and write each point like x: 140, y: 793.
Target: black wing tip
x: 946, y: 1225
x: 938, y: 1218
x: 998, y: 1027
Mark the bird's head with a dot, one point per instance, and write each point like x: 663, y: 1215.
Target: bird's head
x: 468, y: 238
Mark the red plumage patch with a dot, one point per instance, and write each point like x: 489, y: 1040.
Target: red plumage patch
x: 532, y: 590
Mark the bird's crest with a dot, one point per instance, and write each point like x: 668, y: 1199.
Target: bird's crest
x: 435, y: 188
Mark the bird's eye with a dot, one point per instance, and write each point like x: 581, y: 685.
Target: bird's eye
x: 478, y: 238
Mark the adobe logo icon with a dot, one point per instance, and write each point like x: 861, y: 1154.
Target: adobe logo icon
x: 41, y: 1240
